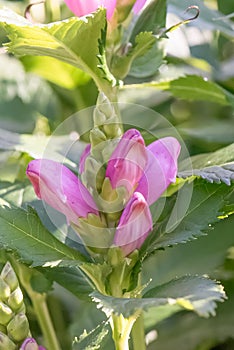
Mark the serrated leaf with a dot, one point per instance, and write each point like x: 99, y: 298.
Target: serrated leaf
x: 20, y: 229
x: 213, y: 167
x: 193, y: 88
x: 76, y: 41
x: 92, y: 340
x: 201, y: 332
x: 193, y: 293
x: 207, y: 204
x: 121, y: 65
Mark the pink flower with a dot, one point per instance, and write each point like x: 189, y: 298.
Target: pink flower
x: 148, y: 170
x: 84, y: 7
x: 31, y: 344
x: 128, y: 161
x: 134, y: 225
x: 61, y: 189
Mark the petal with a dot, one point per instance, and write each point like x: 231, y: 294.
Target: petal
x: 30, y: 344
x: 134, y: 225
x: 60, y: 188
x: 84, y: 7
x: 161, y: 168
x: 138, y: 5
x: 83, y: 158
x: 127, y: 162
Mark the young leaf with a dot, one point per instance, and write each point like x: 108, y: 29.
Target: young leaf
x: 77, y: 41
x: 207, y: 204
x: 122, y: 64
x: 21, y: 231
x: 193, y: 293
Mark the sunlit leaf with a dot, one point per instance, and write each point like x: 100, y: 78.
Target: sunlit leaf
x: 193, y: 293
x: 77, y: 41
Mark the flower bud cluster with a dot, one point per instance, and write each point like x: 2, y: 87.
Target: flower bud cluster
x: 14, y: 326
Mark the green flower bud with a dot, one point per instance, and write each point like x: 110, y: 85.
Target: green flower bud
x: 6, y: 343
x: 5, y: 290
x: 112, y: 129
x: 6, y: 314
x: 16, y: 299
x: 99, y: 117
x: 96, y: 137
x: 104, y: 105
x: 9, y: 276
x: 3, y: 329
x: 18, y: 328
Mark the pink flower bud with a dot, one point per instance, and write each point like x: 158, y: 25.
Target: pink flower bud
x: 85, y: 7
x: 134, y: 225
x: 128, y: 161
x: 61, y: 189
x: 161, y: 168
x: 31, y: 344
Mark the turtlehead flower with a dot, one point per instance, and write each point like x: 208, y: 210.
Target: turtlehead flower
x: 142, y: 172
x: 134, y: 225
x: 61, y: 189
x: 31, y: 344
x: 84, y: 7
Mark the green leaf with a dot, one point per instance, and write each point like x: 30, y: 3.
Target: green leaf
x: 122, y: 64
x: 77, y: 41
x: 213, y: 167
x: 200, y: 332
x: 151, y: 19
x: 20, y: 229
x: 148, y: 64
x: 206, y: 206
x: 193, y: 88
x: 193, y: 293
x: 71, y: 278
x: 69, y: 76
x: 93, y: 340
x: 208, y: 18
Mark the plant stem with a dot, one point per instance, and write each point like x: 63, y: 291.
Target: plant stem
x: 43, y: 316
x: 138, y: 334
x: 121, y: 329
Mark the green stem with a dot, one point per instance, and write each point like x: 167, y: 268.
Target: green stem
x: 138, y: 334
x: 40, y: 306
x: 121, y: 329
x: 43, y: 317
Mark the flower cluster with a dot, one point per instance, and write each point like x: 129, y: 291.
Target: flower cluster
x: 143, y: 173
